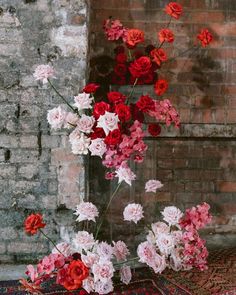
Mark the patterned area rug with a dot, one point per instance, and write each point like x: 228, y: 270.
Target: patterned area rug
x: 219, y: 279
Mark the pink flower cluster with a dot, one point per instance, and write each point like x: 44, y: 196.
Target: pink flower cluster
x: 114, y: 30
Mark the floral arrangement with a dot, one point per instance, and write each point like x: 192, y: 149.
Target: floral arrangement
x: 114, y: 130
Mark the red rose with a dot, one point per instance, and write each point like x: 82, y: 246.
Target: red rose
x: 118, y: 80
x: 91, y: 88
x: 97, y: 133
x: 113, y: 137
x: 140, y: 67
x: 158, y: 56
x: 34, y: 222
x: 174, y: 9
x: 166, y: 35
x: 78, y: 271
x: 145, y: 103
x: 100, y: 108
x: 116, y: 97
x: 120, y: 69
x: 205, y: 37
x: 148, y: 79
x: 154, y: 129
x: 136, y: 113
x: 123, y: 112
x: 160, y: 87
x: 121, y: 58
x: 134, y: 37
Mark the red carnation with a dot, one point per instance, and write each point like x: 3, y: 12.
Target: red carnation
x: 154, y: 129
x: 34, y: 222
x: 113, y: 137
x: 158, y: 56
x: 160, y: 87
x: 134, y: 37
x: 140, y: 67
x: 100, y: 108
x: 136, y: 113
x: 174, y: 9
x: 120, y: 69
x: 123, y: 112
x: 91, y: 88
x: 145, y: 103
x: 205, y: 37
x: 116, y: 97
x: 166, y: 35
x: 97, y: 133
x: 121, y: 58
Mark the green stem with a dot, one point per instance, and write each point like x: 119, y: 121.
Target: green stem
x: 108, y: 205
x: 132, y: 90
x: 50, y: 240
x: 130, y: 54
x: 61, y: 96
x: 182, y: 53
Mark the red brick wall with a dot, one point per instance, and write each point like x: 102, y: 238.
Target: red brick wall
x: 198, y: 162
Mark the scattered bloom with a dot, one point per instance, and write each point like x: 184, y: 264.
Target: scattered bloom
x: 56, y: 117
x: 104, y: 250
x: 160, y: 86
x: 63, y: 248
x: 86, y: 211
x: 152, y: 185
x: 83, y: 101
x: 120, y: 250
x: 124, y: 173
x: 166, y: 35
x: 33, y: 223
x: 30, y: 287
x: 43, y: 73
x: 108, y: 122
x: 133, y: 212
x: 91, y: 88
x: 85, y: 123
x: 83, y: 241
x: 154, y: 129
x: 134, y: 37
x: 125, y: 274
x: 205, y: 37
x: 174, y: 9
x: 172, y: 215
x: 97, y: 147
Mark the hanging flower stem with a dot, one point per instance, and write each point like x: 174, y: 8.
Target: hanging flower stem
x: 50, y: 240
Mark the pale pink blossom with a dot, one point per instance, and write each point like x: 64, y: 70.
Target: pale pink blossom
x: 104, y: 250
x: 159, y: 263
x: 103, y: 271
x: 83, y: 101
x: 43, y: 73
x: 102, y: 287
x: 85, y: 123
x: 63, y: 248
x: 83, y: 241
x: 125, y: 274
x: 80, y: 147
x: 172, y: 215
x: 46, y: 265
x: 56, y: 117
x: 120, y: 250
x: 160, y: 227
x: 74, y: 136
x: 175, y: 260
x: 146, y: 252
x: 31, y: 272
x: 86, y: 211
x: 133, y: 212
x: 124, y: 173
x: 108, y: 122
x: 88, y: 284
x: 165, y: 242
x: 89, y: 259
x: 97, y: 147
x: 71, y: 120
x: 152, y: 185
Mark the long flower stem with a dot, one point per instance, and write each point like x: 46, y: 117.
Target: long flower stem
x: 182, y: 53
x: 61, y: 96
x: 132, y: 90
x: 50, y: 240
x: 105, y: 212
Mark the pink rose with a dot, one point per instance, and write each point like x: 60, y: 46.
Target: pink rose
x: 108, y: 122
x: 85, y: 123
x: 56, y: 117
x: 83, y: 101
x: 97, y: 147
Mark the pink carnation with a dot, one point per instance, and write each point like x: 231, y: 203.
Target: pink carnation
x: 43, y: 73
x: 114, y: 30
x: 103, y: 271
x: 86, y: 211
x: 32, y: 272
x: 83, y: 241
x: 88, y: 284
x: 104, y: 250
x: 102, y: 287
x: 125, y: 173
x: 125, y: 274
x: 56, y: 117
x: 172, y: 215
x: 165, y: 242
x: 133, y: 212
x: 120, y: 250
x: 89, y: 259
x: 152, y: 185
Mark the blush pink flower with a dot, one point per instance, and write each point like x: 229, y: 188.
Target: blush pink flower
x: 152, y: 185
x: 103, y: 271
x: 124, y: 173
x: 71, y: 120
x: 133, y: 212
x: 74, y: 136
x: 125, y: 274
x: 88, y: 284
x: 47, y: 265
x: 108, y: 122
x: 64, y: 248
x: 86, y: 211
x: 32, y: 272
x: 165, y: 242
x: 89, y: 259
x: 104, y: 250
x: 83, y: 101
x: 172, y: 215
x: 159, y: 263
x: 83, y: 241
x: 85, y: 123
x: 146, y: 252
x: 43, y: 73
x: 120, y: 250
x: 56, y: 117
x: 97, y: 147
x: 103, y: 287
x: 80, y: 146
x: 114, y: 30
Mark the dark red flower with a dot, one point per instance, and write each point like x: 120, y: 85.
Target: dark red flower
x: 136, y: 113
x: 145, y: 103
x: 100, y: 108
x: 116, y: 97
x: 158, y: 55
x: 160, y: 86
x: 205, y: 37
x: 120, y: 69
x: 97, y: 133
x: 174, y: 9
x: 121, y: 58
x: 33, y: 223
x: 140, y: 67
x: 113, y: 137
x: 91, y: 88
x: 154, y: 129
x: 134, y: 37
x: 118, y: 80
x: 119, y: 49
x: 123, y: 112
x: 166, y: 35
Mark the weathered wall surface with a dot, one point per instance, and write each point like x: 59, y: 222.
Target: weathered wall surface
x: 37, y: 171
x: 196, y: 163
